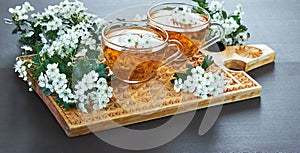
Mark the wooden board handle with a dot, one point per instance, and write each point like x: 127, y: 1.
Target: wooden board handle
x: 244, y: 58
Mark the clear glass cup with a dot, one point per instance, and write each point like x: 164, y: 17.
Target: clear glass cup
x: 186, y: 23
x: 135, y: 52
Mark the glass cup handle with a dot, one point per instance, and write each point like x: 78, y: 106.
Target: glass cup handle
x: 177, y: 54
x: 219, y: 35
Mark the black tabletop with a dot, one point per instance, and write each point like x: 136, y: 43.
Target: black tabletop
x: 266, y: 124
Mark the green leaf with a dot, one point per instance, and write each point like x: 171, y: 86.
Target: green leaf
x: 66, y: 106
x: 240, y: 29
x: 224, y: 15
x: 40, y: 69
x: 37, y: 47
x: 66, y: 70
x: 201, y: 3
x: 43, y: 89
x: 101, y: 67
x: 111, y: 77
x: 15, y: 31
x: 37, y: 30
x: 51, y: 34
x: 103, y: 71
x: 197, y: 10
x: 48, y: 93
x: 81, y: 67
x: 189, y: 70
x: 236, y: 18
x: 25, y: 23
x: 183, y: 76
x: 243, y: 28
x: 205, y: 5
x: 59, y: 100
x: 92, y: 54
x: 36, y: 60
x: 24, y: 40
x: 62, y: 65
x: 208, y: 61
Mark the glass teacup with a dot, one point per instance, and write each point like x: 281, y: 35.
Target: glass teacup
x: 135, y: 52
x: 186, y: 23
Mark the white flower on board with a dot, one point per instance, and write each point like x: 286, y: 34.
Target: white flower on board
x: 201, y: 84
x: 178, y: 85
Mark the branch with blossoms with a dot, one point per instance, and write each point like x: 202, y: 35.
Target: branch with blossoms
x: 199, y: 81
x: 235, y: 32
x: 66, y: 58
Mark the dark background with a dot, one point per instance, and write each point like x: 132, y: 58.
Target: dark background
x: 266, y: 124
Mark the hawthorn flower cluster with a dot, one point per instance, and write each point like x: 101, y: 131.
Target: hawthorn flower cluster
x: 235, y: 32
x: 92, y: 88
x: 60, y: 19
x: 56, y: 82
x: 20, y: 12
x: 21, y: 68
x: 201, y: 84
x: 60, y: 36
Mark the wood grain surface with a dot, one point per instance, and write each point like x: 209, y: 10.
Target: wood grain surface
x: 266, y: 124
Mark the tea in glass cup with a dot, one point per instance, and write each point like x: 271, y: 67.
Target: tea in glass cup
x: 135, y: 52
x: 186, y: 23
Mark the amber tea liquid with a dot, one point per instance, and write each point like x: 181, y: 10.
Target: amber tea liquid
x: 191, y: 36
x: 132, y: 61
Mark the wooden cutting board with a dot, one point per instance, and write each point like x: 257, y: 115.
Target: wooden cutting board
x: 156, y: 98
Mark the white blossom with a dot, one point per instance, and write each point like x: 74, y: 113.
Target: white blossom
x: 52, y: 70
x: 189, y: 84
x: 92, y: 88
x: 184, y: 16
x: 20, y: 67
x: 230, y: 25
x: 27, y: 48
x: 20, y: 13
x: 43, y: 38
x: 42, y: 80
x: 215, y: 6
x: 16, y: 9
x: 73, y: 28
x: 241, y: 38
x: 28, y: 34
x: 218, y: 18
x: 198, y: 70
x: 178, y: 85
x: 136, y: 40
x: 82, y: 107
x: 27, y: 7
x: 201, y: 84
x: 239, y: 11
x: 227, y: 41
